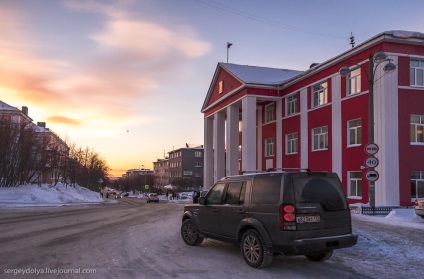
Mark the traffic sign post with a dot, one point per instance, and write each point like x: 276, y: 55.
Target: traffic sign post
x: 371, y: 148
x: 372, y: 175
x: 371, y: 162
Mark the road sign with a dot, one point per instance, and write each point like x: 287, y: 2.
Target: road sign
x: 146, y: 187
x: 372, y: 175
x: 371, y: 162
x: 371, y: 148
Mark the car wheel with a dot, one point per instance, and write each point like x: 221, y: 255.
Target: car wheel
x: 320, y: 257
x: 190, y: 234
x: 254, y: 251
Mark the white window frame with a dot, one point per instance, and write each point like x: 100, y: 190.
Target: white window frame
x: 354, y: 81
x: 319, y: 94
x: 291, y: 104
x: 357, y: 133
x: 292, y: 143
x: 198, y: 154
x: 198, y: 164
x: 354, y: 184
x: 416, y: 72
x: 269, y: 147
x: 321, y: 135
x: 419, y: 179
x: 417, y: 130
x: 269, y: 113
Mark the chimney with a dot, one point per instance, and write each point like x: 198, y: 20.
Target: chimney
x: 25, y: 110
x: 41, y: 124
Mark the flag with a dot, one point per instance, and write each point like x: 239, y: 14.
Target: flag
x: 229, y: 45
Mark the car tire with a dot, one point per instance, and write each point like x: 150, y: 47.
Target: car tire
x: 254, y: 250
x: 190, y: 234
x: 320, y: 257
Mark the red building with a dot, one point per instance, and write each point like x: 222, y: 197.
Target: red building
x: 258, y: 118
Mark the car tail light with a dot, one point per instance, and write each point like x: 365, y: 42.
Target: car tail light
x: 287, y: 217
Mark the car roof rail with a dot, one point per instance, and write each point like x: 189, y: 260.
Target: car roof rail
x: 290, y: 169
x: 254, y: 171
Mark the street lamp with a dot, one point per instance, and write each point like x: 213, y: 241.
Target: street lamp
x: 144, y: 176
x: 374, y: 61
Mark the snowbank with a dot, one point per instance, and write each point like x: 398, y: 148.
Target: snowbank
x: 48, y: 195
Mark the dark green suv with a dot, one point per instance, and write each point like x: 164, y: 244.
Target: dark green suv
x: 290, y: 213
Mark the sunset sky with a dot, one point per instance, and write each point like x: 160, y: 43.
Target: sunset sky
x: 128, y: 77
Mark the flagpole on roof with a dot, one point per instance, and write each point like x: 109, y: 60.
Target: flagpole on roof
x: 228, y: 49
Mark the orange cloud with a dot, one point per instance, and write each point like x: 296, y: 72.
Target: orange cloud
x: 64, y: 120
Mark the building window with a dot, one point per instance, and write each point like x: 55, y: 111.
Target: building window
x: 320, y: 138
x: 269, y: 147
x: 354, y: 82
x: 291, y: 105
x: 417, y: 72
x: 291, y: 143
x: 417, y: 185
x: 198, y: 164
x: 354, y: 132
x: 197, y: 154
x: 355, y: 184
x: 319, y: 94
x: 269, y: 113
x: 417, y: 129
x: 221, y: 87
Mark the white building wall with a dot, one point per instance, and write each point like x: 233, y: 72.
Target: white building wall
x: 336, y: 119
x: 208, y: 153
x: 249, y: 133
x: 304, y: 135
x: 219, y: 146
x: 386, y: 114
x: 232, y: 140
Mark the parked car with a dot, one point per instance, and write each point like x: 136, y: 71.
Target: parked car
x: 419, y: 207
x: 266, y: 214
x: 126, y: 194
x: 152, y: 197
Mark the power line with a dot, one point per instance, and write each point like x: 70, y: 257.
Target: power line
x: 250, y: 16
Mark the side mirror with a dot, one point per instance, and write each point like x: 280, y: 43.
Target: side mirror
x: 202, y: 200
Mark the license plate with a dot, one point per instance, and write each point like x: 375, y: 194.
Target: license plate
x: 308, y: 219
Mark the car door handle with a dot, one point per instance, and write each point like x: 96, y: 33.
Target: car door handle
x: 241, y: 211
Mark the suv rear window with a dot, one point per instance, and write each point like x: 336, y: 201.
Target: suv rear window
x: 266, y: 189
x: 326, y: 191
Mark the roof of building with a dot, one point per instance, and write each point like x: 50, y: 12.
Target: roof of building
x: 4, y: 106
x: 260, y: 75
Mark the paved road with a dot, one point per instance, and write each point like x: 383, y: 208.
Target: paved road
x: 138, y: 240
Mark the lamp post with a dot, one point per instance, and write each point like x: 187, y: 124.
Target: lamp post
x: 144, y: 176
x: 374, y: 60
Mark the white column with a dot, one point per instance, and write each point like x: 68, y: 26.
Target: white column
x: 279, y: 134
x: 219, y: 145
x: 336, y: 136
x: 386, y: 112
x: 304, y: 133
x: 232, y: 137
x: 249, y: 133
x: 259, y: 143
x: 208, y: 153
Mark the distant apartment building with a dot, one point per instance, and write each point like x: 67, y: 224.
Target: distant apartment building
x: 136, y: 172
x: 161, y: 172
x: 186, y: 167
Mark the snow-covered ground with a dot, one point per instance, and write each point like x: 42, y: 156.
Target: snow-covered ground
x: 61, y: 195
x: 48, y: 195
